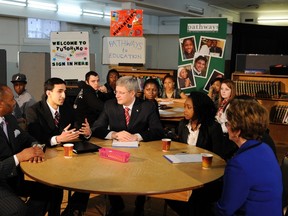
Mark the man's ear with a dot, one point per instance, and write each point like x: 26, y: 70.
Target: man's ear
x: 133, y: 93
x: 48, y: 92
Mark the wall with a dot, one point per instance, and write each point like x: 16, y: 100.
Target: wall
x: 161, y: 50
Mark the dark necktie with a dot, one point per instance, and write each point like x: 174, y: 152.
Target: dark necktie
x: 127, y: 115
x: 57, y: 118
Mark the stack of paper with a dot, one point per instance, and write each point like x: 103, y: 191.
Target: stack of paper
x: 133, y: 144
x: 184, y: 158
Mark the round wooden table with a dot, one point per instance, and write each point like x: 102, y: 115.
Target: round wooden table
x: 174, y: 111
x: 146, y: 173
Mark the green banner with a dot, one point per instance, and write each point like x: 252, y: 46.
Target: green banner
x: 201, y: 52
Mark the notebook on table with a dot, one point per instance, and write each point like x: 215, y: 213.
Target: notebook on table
x: 85, y: 147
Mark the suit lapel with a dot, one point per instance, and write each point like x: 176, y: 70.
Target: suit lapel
x: 3, y: 134
x: 10, y: 130
x: 120, y: 115
x: 47, y: 113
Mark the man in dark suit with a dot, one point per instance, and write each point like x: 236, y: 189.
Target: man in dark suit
x: 129, y: 119
x: 51, y: 121
x: 17, y: 146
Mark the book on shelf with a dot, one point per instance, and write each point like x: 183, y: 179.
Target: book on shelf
x: 259, y: 89
x: 279, y: 114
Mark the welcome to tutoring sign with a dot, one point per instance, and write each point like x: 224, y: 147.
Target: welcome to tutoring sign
x: 69, y: 54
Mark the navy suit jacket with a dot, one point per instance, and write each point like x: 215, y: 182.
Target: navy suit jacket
x: 144, y: 120
x: 18, y: 140
x: 40, y: 121
x: 252, y: 182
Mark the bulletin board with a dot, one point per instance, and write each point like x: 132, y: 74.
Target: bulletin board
x: 69, y: 54
x: 130, y: 50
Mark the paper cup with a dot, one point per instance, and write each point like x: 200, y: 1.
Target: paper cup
x: 206, y: 160
x: 68, y: 150
x: 166, y: 143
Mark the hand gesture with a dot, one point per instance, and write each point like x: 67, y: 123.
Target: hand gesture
x: 102, y: 89
x: 85, y: 129
x: 67, y: 135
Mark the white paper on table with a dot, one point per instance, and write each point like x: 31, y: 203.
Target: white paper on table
x: 184, y: 158
x: 132, y: 144
x: 165, y: 102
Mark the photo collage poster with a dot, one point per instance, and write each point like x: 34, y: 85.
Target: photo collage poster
x: 201, y: 52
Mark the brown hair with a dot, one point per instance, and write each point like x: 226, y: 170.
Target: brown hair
x: 248, y: 116
x: 230, y: 85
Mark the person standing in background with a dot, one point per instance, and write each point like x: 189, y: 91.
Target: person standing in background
x: 111, y: 79
x: 23, y: 98
x: 87, y: 103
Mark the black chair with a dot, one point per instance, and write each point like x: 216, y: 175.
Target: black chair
x: 284, y: 170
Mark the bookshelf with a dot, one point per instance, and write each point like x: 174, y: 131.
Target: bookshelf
x: 140, y: 72
x: 276, y: 102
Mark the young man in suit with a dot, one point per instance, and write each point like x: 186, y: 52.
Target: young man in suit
x: 17, y: 146
x: 51, y: 121
x: 129, y: 119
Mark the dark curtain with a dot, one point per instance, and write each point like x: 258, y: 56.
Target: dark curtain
x: 258, y: 39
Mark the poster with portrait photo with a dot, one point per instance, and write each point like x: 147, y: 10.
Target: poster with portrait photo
x: 201, y: 65
x: 185, y: 78
x: 212, y: 46
x: 215, y: 74
x: 187, y: 48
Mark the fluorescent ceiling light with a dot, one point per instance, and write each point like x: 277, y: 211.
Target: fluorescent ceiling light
x: 68, y: 10
x: 42, y: 5
x: 15, y: 2
x: 195, y: 10
x: 107, y: 15
x: 93, y: 13
x: 272, y: 19
x: 100, y: 14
